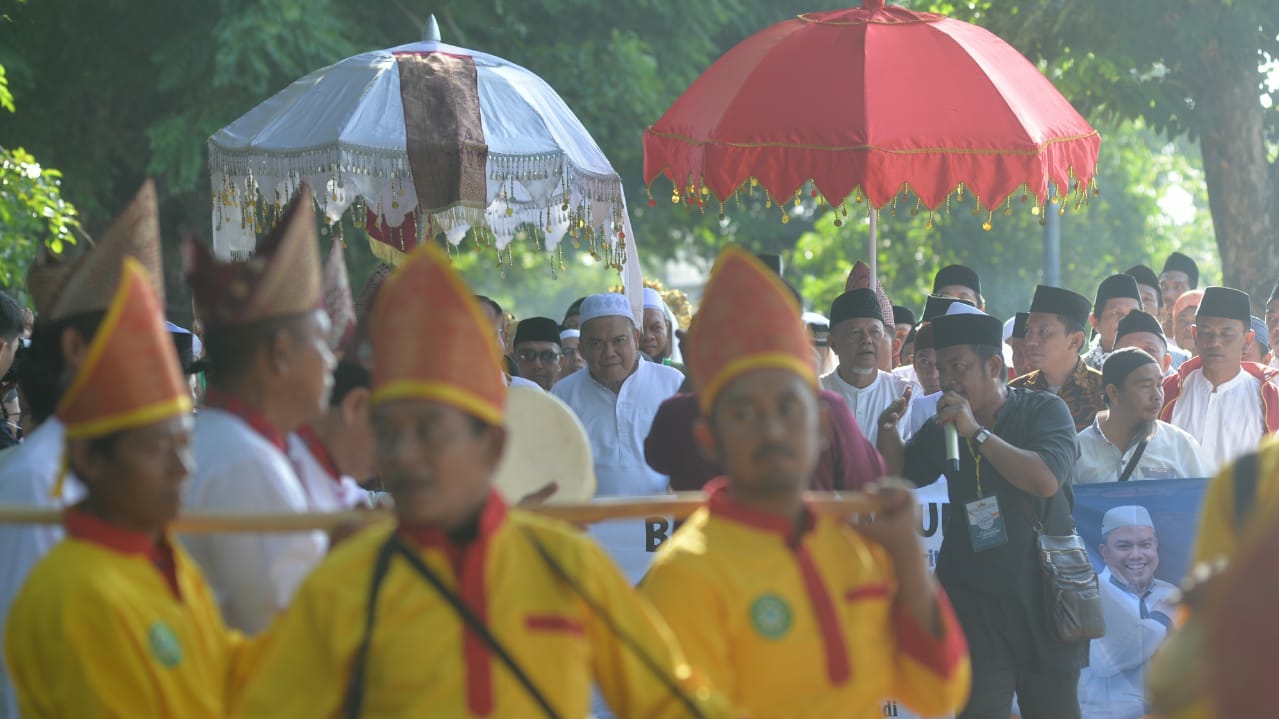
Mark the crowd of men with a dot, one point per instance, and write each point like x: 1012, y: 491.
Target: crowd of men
x: 465, y: 606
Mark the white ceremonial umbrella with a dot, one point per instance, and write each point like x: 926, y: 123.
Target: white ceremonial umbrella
x: 525, y: 167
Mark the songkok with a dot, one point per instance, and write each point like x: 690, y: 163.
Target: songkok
x: 924, y: 337
x: 966, y: 329
x: 1128, y: 515
x: 1121, y: 363
x: 338, y: 302
x: 722, y: 349
x: 130, y: 376
x: 903, y: 316
x: 280, y: 280
x: 1018, y: 329
x: 772, y: 262
x: 1262, y: 333
x: 537, y: 329
x: 90, y: 284
x: 1138, y: 321
x: 1113, y: 287
x: 855, y: 304
x: 653, y: 299
x: 1225, y: 302
x: 1144, y: 276
x: 1187, y: 300
x: 569, y: 335
x: 936, y: 306
x: 859, y: 278
x: 424, y: 306
x: 957, y: 275
x: 1058, y: 301
x: 1274, y: 294
x: 1178, y: 262
x: 609, y: 304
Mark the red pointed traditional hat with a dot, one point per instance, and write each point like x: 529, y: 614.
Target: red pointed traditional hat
x: 282, y: 278
x: 432, y: 341
x: 130, y: 376
x: 747, y: 320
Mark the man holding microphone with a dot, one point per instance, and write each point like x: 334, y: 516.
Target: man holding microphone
x: 1016, y: 452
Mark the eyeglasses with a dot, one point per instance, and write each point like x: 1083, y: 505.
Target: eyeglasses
x: 545, y: 356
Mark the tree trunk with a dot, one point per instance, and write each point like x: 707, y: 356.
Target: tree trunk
x: 1241, y: 192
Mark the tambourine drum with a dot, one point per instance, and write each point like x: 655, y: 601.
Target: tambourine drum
x: 545, y: 443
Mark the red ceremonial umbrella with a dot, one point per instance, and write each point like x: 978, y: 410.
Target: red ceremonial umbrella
x: 869, y: 102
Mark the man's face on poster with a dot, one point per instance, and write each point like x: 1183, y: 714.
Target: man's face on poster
x: 1132, y: 553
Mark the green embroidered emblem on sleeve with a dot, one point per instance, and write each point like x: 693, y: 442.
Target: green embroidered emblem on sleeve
x: 771, y: 616
x: 164, y: 645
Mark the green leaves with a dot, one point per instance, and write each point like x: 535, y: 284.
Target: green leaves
x: 31, y: 211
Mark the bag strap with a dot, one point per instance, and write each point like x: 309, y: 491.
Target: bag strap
x: 395, y: 546
x: 1132, y: 463
x: 597, y: 608
x: 353, y: 703
x: 1246, y: 473
x: 1026, y: 509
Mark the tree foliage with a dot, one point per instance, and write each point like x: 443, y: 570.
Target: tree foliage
x: 32, y: 209
x: 145, y: 84
x: 1205, y: 69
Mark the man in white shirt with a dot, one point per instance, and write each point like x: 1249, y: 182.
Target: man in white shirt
x: 71, y: 297
x: 1129, y: 431
x: 857, y: 331
x: 1142, y: 330
x: 270, y: 372
x: 1117, y: 295
x: 1225, y: 403
x: 1138, y: 610
x: 333, y: 455
x: 570, y: 345
x: 617, y: 397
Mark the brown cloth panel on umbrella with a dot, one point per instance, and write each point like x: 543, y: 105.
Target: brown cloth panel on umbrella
x: 446, y: 148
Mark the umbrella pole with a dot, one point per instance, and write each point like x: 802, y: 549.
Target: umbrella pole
x: 874, y: 246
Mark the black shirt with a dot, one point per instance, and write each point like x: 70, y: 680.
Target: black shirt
x: 1036, y: 421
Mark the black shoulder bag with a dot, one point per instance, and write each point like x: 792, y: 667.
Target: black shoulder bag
x: 1071, y: 596
x: 354, y: 701
x: 1132, y: 463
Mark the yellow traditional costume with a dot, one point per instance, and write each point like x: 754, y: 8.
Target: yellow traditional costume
x: 369, y: 635
x: 110, y: 623
x: 789, y: 621
x: 1234, y: 512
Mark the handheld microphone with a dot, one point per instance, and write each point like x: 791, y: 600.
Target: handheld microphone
x: 952, y: 449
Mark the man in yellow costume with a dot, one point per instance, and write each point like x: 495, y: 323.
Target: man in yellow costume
x: 117, y: 621
x: 463, y: 608
x: 789, y: 612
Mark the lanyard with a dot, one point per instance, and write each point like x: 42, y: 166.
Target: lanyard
x: 976, y: 463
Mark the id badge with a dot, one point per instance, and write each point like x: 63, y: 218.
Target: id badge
x: 986, y: 524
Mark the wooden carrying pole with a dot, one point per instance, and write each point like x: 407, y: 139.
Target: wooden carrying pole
x: 679, y: 506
